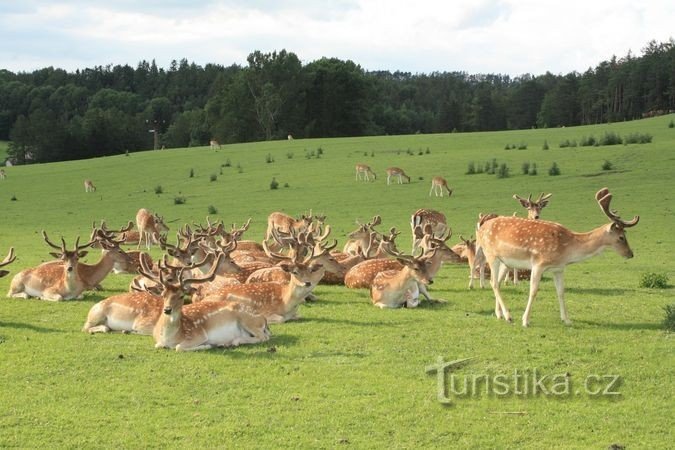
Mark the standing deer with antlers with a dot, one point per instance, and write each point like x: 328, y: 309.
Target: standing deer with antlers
x: 540, y: 245
x: 52, y: 282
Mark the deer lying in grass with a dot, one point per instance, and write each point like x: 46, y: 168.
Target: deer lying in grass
x: 52, y: 282
x: 361, y: 238
x: 540, y: 245
x: 8, y: 260
x: 396, y: 288
x: 276, y: 301
x: 434, y: 250
x: 204, y: 325
x: 131, y: 312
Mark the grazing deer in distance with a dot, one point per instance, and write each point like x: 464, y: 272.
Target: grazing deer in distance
x: 438, y: 186
x: 89, y: 186
x: 423, y: 217
x: 541, y: 245
x: 150, y: 227
x: 213, y: 144
x: 396, y: 172
x: 3, y: 175
x: 52, y: 282
x: 533, y: 207
x: 8, y: 259
x: 364, y: 170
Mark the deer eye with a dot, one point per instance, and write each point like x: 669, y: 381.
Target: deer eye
x: 622, y: 238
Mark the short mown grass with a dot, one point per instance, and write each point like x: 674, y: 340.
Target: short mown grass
x: 348, y: 373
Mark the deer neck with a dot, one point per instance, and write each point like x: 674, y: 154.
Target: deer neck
x: 293, y: 293
x: 588, y: 244
x: 169, y: 328
x: 402, y: 279
x: 95, y: 273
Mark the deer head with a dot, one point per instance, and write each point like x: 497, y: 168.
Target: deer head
x: 533, y: 207
x: 615, y: 231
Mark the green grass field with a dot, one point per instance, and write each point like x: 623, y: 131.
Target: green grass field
x: 349, y: 374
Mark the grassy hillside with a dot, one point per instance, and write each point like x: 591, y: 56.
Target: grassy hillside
x: 348, y: 373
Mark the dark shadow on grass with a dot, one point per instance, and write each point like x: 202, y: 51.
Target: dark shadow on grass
x: 28, y: 326
x: 263, y: 350
x: 352, y: 322
x: 625, y: 326
x: 610, y: 292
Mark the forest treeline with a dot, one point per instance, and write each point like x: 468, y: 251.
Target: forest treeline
x: 52, y: 115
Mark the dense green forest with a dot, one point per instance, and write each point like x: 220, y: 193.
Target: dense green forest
x: 52, y: 115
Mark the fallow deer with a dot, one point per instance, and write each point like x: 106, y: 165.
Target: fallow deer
x: 8, y: 259
x: 533, y: 207
x: 277, y: 302
x: 438, y: 186
x: 131, y: 312
x: 52, y: 282
x: 286, y: 224
x: 363, y: 171
x: 150, y: 226
x: 396, y: 172
x: 424, y: 217
x: 214, y: 144
x: 3, y: 174
x: 361, y: 238
x: 396, y: 288
x: 541, y: 245
x: 89, y: 186
x: 204, y: 325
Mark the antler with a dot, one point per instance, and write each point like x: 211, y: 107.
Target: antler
x: 51, y: 244
x: 604, y: 197
x: 543, y: 198
x: 9, y: 258
x: 208, y: 277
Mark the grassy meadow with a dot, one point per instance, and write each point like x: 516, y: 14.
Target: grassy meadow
x: 347, y: 373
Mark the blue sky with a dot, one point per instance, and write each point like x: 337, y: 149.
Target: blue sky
x: 475, y: 36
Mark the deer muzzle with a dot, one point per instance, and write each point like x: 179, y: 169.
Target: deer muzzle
x: 167, y: 311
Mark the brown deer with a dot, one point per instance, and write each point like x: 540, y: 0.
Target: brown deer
x: 396, y: 172
x: 438, y: 186
x: 423, y: 217
x: 8, y: 259
x: 278, y: 221
x: 89, y: 186
x: 533, y: 207
x: 150, y: 226
x: 214, y: 144
x: 541, y: 245
x: 203, y: 325
x: 363, y: 171
x: 396, y: 288
x: 276, y: 301
x: 52, y: 282
x: 131, y: 312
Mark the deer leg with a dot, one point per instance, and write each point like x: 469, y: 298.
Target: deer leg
x: 388, y: 178
x: 515, y: 276
x: 500, y: 307
x: 97, y: 329
x: 534, y: 288
x: 432, y: 190
x: 183, y: 347
x: 560, y: 290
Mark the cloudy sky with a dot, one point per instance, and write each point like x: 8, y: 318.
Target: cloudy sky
x: 475, y: 36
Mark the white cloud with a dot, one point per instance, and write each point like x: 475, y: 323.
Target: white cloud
x: 475, y: 36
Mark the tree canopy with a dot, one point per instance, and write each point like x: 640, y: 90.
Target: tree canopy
x: 51, y: 115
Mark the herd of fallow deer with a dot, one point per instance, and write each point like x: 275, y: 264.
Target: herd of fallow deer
x: 236, y: 287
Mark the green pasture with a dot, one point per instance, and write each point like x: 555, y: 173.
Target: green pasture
x: 347, y: 373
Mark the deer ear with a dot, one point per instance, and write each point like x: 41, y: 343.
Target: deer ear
x: 316, y: 267
x: 82, y: 254
x: 286, y: 267
x: 3, y: 273
x: 615, y: 227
